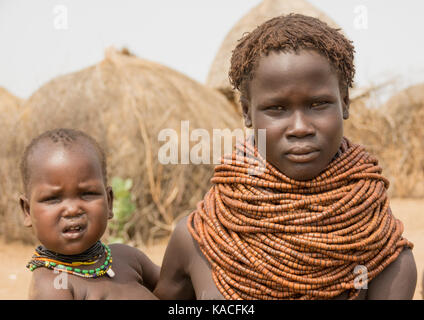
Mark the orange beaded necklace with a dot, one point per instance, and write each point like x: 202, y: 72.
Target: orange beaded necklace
x: 272, y: 237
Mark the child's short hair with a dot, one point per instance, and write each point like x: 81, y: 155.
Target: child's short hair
x: 65, y: 137
x: 291, y: 33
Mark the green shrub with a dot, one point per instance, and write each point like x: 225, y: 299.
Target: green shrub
x: 123, y: 208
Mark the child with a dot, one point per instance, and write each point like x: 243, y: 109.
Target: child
x: 317, y: 223
x: 67, y: 203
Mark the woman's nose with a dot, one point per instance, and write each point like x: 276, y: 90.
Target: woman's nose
x: 299, y: 125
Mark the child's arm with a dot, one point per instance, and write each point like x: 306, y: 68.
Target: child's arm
x: 397, y: 281
x: 174, y: 281
x: 46, y: 285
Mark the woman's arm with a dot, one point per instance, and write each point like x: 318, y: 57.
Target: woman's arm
x: 174, y: 281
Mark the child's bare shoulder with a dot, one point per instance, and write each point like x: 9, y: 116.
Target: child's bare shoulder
x: 138, y: 261
x: 121, y: 248
x: 48, y: 285
x: 131, y: 255
x: 127, y: 252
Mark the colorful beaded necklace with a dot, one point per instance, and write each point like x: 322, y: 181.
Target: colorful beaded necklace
x: 69, y: 263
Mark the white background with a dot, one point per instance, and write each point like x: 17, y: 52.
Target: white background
x: 185, y: 35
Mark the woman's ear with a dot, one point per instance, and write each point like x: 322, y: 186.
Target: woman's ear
x: 345, y: 103
x: 24, y: 203
x: 245, y: 105
x: 109, y: 194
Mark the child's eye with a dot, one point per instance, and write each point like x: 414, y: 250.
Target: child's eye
x: 51, y: 199
x: 90, y: 195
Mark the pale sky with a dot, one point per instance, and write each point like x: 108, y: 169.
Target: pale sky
x: 37, y: 45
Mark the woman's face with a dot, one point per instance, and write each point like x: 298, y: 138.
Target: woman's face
x: 296, y: 98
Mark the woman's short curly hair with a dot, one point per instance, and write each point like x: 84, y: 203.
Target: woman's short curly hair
x: 291, y: 33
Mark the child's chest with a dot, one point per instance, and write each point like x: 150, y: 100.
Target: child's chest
x: 127, y: 284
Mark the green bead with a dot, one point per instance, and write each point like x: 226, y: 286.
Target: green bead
x: 77, y: 270
x: 102, y: 267
x: 61, y: 266
x: 84, y: 271
x: 53, y: 264
x: 69, y: 268
x: 91, y: 271
x: 106, y: 263
x: 97, y: 269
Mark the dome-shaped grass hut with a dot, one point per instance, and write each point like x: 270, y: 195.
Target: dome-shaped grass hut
x: 124, y: 102
x: 8, y: 100
x: 405, y: 112
x: 267, y: 9
x: 12, y: 120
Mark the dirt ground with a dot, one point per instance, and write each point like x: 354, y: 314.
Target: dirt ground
x: 14, y: 277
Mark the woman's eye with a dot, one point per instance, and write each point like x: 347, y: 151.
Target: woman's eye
x: 319, y: 104
x: 276, y: 108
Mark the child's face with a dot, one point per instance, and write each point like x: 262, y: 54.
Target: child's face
x: 68, y: 204
x: 296, y: 98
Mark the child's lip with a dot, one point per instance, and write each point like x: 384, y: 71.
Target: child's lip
x: 73, y: 231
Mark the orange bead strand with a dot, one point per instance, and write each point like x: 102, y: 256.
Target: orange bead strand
x: 267, y: 236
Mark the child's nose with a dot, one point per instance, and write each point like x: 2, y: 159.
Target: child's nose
x: 72, y: 209
x: 300, y: 125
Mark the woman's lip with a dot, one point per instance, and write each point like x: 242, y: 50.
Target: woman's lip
x: 303, y: 157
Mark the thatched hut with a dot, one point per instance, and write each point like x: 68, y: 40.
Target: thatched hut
x: 12, y: 119
x: 124, y: 102
x: 393, y: 132
x: 267, y: 9
x: 405, y: 112
x: 8, y: 101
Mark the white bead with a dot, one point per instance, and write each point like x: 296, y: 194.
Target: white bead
x: 110, y: 273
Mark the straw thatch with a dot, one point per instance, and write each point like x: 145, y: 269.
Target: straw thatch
x: 393, y: 133
x: 124, y: 102
x: 267, y: 9
x: 370, y: 128
x: 8, y: 101
x: 11, y: 123
x: 405, y: 112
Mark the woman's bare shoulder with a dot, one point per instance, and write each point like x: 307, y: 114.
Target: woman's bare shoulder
x: 397, y: 281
